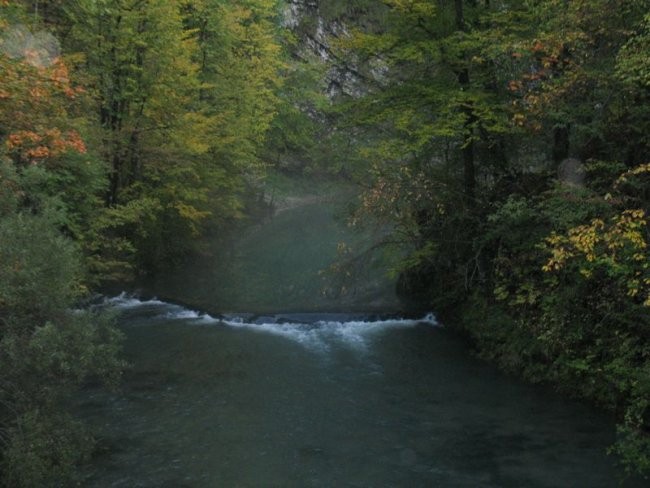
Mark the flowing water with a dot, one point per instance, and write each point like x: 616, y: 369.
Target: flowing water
x: 329, y: 400
x: 320, y: 399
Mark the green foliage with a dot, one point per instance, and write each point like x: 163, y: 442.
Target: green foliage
x: 633, y: 67
x: 241, y: 59
x: 46, y: 351
x: 575, y: 87
x: 28, y: 270
x: 570, y: 279
x: 298, y: 135
x: 45, y: 164
x: 51, y: 189
x: 466, y: 134
x: 184, y: 93
x: 440, y: 97
x: 43, y: 450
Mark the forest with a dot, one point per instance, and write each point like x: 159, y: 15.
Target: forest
x: 505, y: 144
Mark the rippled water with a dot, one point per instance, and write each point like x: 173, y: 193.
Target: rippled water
x: 328, y: 400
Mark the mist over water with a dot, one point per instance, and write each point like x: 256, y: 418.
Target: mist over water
x: 266, y: 382
x: 282, y: 265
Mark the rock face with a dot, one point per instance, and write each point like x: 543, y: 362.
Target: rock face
x: 571, y: 171
x: 316, y: 29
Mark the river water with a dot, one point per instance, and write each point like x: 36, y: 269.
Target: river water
x: 320, y: 399
x: 326, y: 400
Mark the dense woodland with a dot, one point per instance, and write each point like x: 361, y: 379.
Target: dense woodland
x: 505, y: 143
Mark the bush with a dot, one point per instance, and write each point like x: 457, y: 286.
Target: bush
x: 47, y: 350
x: 570, y: 298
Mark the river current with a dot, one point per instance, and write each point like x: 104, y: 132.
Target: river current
x: 328, y: 400
x: 320, y: 399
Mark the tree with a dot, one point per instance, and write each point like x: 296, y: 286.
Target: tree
x: 472, y: 113
x: 46, y: 352
x: 573, y: 93
x: 139, y: 71
x: 50, y: 188
x: 240, y: 61
x: 184, y: 95
x: 439, y: 126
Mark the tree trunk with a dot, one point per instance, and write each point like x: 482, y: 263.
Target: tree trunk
x: 469, y: 170
x: 460, y: 15
x: 560, y: 144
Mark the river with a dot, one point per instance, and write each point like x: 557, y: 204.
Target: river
x: 322, y: 398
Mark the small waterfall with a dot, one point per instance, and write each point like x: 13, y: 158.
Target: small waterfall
x: 316, y: 331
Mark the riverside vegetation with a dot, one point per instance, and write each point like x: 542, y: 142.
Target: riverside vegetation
x: 505, y: 143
